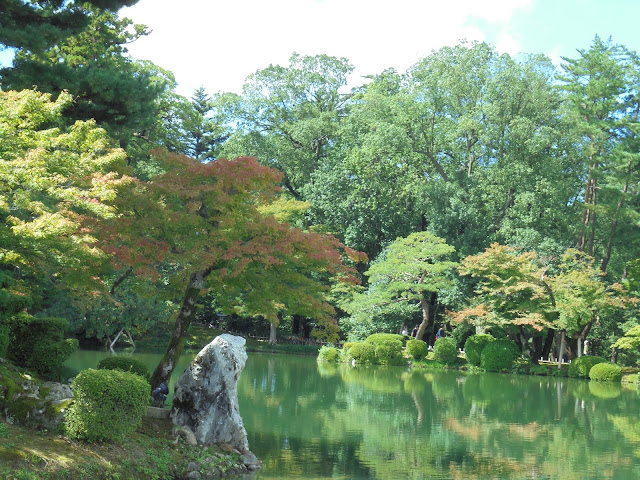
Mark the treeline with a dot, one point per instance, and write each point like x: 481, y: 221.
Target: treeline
x: 488, y: 153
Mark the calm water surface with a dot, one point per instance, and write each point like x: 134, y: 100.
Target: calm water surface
x: 309, y: 421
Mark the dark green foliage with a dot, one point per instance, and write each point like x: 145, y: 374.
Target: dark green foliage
x: 126, y: 364
x: 499, y: 355
x: 37, y: 343
x: 606, y: 372
x: 107, y: 405
x: 389, y: 352
x: 417, y: 349
x: 446, y: 350
x: 329, y: 355
x: 580, y: 367
x: 4, y: 339
x: 384, y: 337
x: 474, y: 345
x: 363, y: 352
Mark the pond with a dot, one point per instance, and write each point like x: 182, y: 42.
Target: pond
x: 309, y: 421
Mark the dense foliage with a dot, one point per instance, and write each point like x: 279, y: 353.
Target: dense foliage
x: 488, y: 191
x: 125, y: 364
x: 417, y: 349
x: 445, y: 350
x: 580, y: 367
x: 473, y: 347
x: 107, y: 405
x: 329, y: 354
x: 606, y: 372
x: 38, y: 343
x: 499, y: 355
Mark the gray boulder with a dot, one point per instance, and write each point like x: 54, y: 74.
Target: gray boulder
x: 206, y: 395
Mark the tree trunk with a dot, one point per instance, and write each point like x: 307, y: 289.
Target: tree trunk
x: 426, y: 317
x: 614, y: 224
x: 561, y: 349
x: 162, y: 373
x: 546, y: 350
x: 273, y: 338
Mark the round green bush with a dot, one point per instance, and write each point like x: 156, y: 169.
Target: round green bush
x: 499, y: 355
x: 606, y: 372
x: 346, y: 346
x: 38, y: 343
x: 328, y: 354
x: 473, y: 347
x: 445, y: 350
x: 580, y: 367
x: 107, y: 405
x: 417, y: 349
x: 126, y: 364
x: 384, y: 337
x: 363, y: 352
x: 389, y: 352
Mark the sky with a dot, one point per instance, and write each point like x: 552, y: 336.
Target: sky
x: 217, y: 44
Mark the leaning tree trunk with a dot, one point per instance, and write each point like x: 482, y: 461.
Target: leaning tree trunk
x: 162, y: 373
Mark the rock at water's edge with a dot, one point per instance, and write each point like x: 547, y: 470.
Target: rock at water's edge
x: 206, y: 395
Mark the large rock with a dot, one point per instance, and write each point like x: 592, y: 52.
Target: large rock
x: 206, y: 395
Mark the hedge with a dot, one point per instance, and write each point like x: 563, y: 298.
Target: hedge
x: 385, y: 337
x: 606, y: 372
x: 38, y: 343
x: 417, y: 349
x: 107, y: 405
x: 445, y: 350
x: 363, y: 352
x: 499, y: 355
x: 389, y: 352
x: 125, y: 364
x: 328, y: 354
x: 580, y: 367
x: 474, y: 345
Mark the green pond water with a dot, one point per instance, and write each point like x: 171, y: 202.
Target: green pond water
x: 309, y: 421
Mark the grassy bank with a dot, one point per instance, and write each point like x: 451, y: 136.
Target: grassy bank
x: 150, y: 453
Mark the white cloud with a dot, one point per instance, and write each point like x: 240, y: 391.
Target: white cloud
x: 217, y: 44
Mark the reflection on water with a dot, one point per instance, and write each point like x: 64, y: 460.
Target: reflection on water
x: 309, y: 421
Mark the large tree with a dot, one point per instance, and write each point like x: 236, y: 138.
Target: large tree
x: 52, y: 182
x: 413, y: 269
x: 93, y: 65
x: 202, y: 221
x: 601, y: 87
x: 288, y: 116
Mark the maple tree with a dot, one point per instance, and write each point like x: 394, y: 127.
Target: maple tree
x: 53, y: 180
x: 515, y: 290
x: 203, y: 221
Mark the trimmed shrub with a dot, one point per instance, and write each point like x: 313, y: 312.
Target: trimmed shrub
x: 4, y: 339
x: 328, y: 354
x: 474, y: 345
x: 107, y: 405
x: 499, y: 355
x: 363, y: 352
x: 389, y: 352
x: 417, y: 349
x: 385, y: 337
x: 606, y: 372
x: 580, y: 367
x: 38, y: 343
x: 346, y: 347
x: 125, y: 364
x: 445, y: 350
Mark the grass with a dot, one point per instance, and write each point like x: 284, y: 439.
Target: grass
x: 149, y: 453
